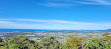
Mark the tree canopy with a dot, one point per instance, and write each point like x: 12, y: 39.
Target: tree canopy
x: 22, y: 42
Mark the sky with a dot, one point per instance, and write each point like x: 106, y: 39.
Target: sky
x: 55, y: 14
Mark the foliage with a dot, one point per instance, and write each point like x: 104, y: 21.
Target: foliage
x: 49, y: 43
x: 94, y: 43
x: 74, y: 43
x: 22, y: 42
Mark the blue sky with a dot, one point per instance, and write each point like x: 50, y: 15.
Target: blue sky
x: 55, y: 14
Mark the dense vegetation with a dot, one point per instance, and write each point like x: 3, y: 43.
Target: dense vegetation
x: 22, y: 42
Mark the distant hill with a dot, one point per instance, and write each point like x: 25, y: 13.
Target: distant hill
x: 34, y: 30
x: 108, y: 30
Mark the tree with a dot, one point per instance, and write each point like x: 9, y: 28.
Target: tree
x: 20, y: 42
x: 106, y: 34
x: 74, y: 43
x: 49, y: 43
x: 84, y: 43
x: 3, y: 44
x: 106, y: 41
x: 1, y: 40
x: 94, y: 43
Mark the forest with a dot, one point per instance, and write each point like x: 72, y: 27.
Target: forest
x: 22, y: 42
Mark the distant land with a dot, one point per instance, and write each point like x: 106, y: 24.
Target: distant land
x: 21, y: 30
x: 34, y: 30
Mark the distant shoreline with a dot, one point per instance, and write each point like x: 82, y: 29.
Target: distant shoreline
x: 34, y: 30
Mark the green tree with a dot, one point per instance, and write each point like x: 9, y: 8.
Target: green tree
x: 3, y: 45
x: 94, y: 43
x: 1, y: 40
x: 106, y: 41
x: 20, y: 42
x: 49, y: 43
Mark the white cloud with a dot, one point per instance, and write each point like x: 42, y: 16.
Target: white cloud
x: 62, y: 21
x: 94, y: 2
x: 53, y: 24
x: 56, y: 4
x: 5, y: 22
x: 74, y: 2
x: 51, y: 21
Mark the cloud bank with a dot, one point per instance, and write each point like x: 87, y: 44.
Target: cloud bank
x: 51, y: 24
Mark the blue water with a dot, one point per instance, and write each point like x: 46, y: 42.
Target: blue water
x: 21, y: 30
x: 34, y: 30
